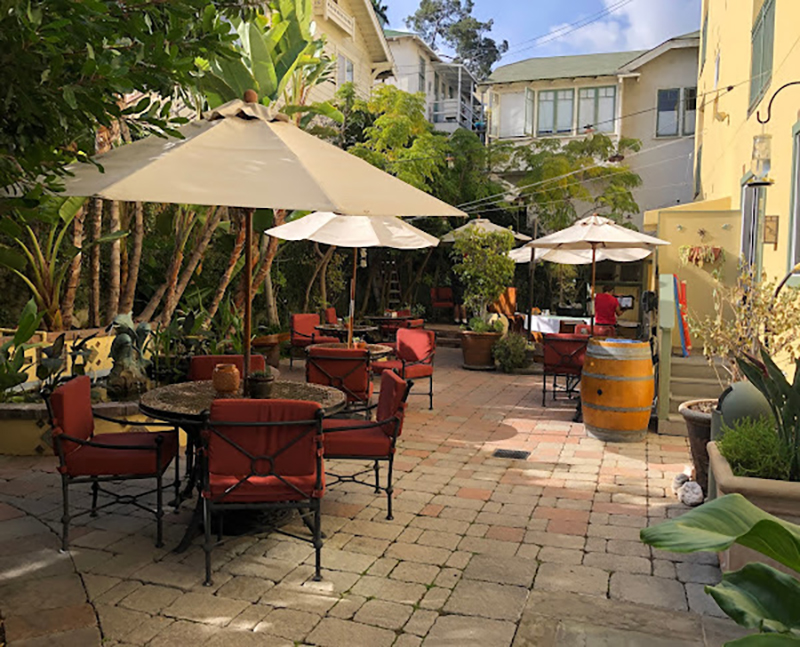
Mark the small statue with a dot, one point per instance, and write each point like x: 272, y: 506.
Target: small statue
x: 128, y: 374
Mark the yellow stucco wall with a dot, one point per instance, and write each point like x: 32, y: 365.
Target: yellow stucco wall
x: 726, y: 125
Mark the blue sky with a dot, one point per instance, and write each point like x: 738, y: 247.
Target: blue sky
x: 631, y: 24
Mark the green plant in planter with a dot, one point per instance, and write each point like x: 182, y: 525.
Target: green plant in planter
x: 476, y: 324
x: 756, y: 596
x: 265, y: 374
x: 784, y: 400
x: 484, y: 267
x: 511, y: 352
x: 754, y: 449
x: 12, y: 351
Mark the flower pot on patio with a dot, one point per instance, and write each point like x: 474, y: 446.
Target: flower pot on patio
x: 780, y: 498
x: 476, y: 348
x: 697, y: 415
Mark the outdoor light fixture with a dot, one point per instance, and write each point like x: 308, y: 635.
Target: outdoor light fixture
x: 761, y: 160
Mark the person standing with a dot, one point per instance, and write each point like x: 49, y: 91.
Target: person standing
x: 606, y: 307
x: 459, y: 311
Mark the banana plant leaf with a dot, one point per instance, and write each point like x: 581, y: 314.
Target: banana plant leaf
x: 718, y: 524
x: 765, y: 640
x: 760, y: 597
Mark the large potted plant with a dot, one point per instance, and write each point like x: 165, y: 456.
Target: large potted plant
x: 745, y: 314
x: 485, y: 269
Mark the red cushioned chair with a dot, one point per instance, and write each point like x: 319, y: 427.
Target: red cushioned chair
x: 346, y: 369
x: 368, y: 440
x: 86, y: 457
x: 442, y: 298
x: 201, y: 367
x: 563, y: 357
x: 600, y: 330
x: 304, y: 333
x: 330, y: 316
x: 415, y: 351
x: 263, y: 454
x: 405, y: 323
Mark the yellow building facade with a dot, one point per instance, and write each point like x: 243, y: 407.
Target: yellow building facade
x: 749, y: 49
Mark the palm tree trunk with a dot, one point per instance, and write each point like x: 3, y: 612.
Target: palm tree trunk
x: 113, y: 267
x: 94, y: 264
x: 233, y: 259
x: 134, y: 259
x: 74, y: 272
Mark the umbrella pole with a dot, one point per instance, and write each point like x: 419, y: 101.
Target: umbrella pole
x: 248, y: 297
x: 352, y: 299
x: 594, y: 268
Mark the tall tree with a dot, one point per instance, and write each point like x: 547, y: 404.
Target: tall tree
x: 381, y: 12
x: 450, y: 22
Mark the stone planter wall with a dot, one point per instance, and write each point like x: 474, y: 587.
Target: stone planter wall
x: 779, y: 498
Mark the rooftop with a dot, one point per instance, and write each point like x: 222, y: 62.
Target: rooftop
x: 560, y: 67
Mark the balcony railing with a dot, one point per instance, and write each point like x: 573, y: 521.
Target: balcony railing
x: 330, y: 10
x: 456, y: 112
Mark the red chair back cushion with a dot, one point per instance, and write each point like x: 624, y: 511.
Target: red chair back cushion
x: 392, y: 400
x: 285, y: 450
x: 71, y: 404
x: 330, y: 316
x: 201, y: 367
x: 415, y: 323
x: 305, y: 324
x: 564, y: 353
x: 346, y: 369
x: 415, y: 344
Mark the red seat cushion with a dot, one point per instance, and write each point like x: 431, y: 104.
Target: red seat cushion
x: 411, y: 371
x: 100, y: 461
x: 263, y: 489
x: 354, y: 442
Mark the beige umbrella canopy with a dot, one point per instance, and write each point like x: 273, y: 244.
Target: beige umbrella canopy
x: 484, y: 226
x: 354, y: 231
x: 244, y: 155
x: 525, y: 254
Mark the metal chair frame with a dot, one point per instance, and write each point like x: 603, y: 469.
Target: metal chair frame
x: 571, y: 381
x: 338, y: 381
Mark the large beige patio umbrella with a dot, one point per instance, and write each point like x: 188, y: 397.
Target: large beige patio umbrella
x: 596, y: 233
x: 245, y: 155
x: 356, y: 232
x: 526, y: 254
x: 482, y: 225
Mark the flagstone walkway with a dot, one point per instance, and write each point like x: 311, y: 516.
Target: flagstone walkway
x: 482, y: 551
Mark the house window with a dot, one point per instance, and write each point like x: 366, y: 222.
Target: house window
x: 512, y: 114
x: 555, y: 112
x: 761, y: 39
x: 677, y: 108
x: 753, y: 199
x: 346, y: 70
x: 422, y: 66
x: 596, y: 108
x: 451, y: 93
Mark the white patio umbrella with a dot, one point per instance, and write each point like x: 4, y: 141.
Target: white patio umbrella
x: 526, y: 254
x: 244, y: 155
x: 484, y: 226
x: 356, y: 232
x: 593, y: 234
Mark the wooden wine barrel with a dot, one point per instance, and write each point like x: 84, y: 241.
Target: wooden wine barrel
x: 617, y: 389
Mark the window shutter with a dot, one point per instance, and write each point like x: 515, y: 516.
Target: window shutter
x: 529, y: 110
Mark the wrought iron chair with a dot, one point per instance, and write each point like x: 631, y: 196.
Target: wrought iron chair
x: 416, y: 348
x: 346, y: 369
x: 304, y: 333
x: 371, y: 440
x: 263, y: 454
x: 563, y: 357
x: 86, y: 457
x: 330, y: 316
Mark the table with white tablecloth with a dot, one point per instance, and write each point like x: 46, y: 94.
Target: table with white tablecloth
x: 550, y: 323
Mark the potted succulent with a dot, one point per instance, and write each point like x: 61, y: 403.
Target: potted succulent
x: 744, y: 315
x: 260, y: 384
x: 485, y: 269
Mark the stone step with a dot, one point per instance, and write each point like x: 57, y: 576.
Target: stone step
x: 695, y: 366
x: 673, y: 426
x: 694, y: 388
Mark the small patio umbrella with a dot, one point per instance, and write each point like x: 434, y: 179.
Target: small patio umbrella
x: 245, y: 155
x: 483, y: 225
x: 596, y: 233
x: 526, y: 254
x: 354, y: 231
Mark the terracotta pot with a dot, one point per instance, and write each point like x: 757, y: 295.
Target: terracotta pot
x: 476, y: 348
x: 698, y: 427
x: 261, y: 387
x: 226, y: 378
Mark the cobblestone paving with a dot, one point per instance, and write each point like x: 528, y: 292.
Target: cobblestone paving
x: 477, y: 546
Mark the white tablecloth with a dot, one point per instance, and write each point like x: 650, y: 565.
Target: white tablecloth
x: 550, y: 323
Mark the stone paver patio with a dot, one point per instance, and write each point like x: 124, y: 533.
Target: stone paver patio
x: 482, y: 550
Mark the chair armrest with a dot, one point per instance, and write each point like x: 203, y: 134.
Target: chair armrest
x: 428, y: 359
x: 134, y: 423
x: 91, y: 443
x: 367, y: 425
x: 342, y: 415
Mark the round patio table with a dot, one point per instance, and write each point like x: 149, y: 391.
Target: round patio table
x: 379, y: 319
x: 376, y: 351
x: 186, y: 405
x: 340, y: 332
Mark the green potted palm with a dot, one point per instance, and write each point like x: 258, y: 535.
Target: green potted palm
x: 485, y: 270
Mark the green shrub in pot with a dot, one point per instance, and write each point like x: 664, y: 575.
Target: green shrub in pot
x: 754, y: 449
x: 510, y: 352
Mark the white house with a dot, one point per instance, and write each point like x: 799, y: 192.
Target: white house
x: 449, y: 88
x: 648, y: 95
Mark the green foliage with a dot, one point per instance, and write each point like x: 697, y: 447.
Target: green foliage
x: 784, y: 400
x: 266, y: 373
x: 12, y: 351
x: 452, y: 22
x: 476, y: 324
x: 484, y: 267
x: 753, y: 448
x: 380, y: 12
x: 68, y: 63
x: 510, y: 352
x: 757, y: 596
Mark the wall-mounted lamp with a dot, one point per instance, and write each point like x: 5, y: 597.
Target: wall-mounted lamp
x: 772, y: 98
x: 761, y: 160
